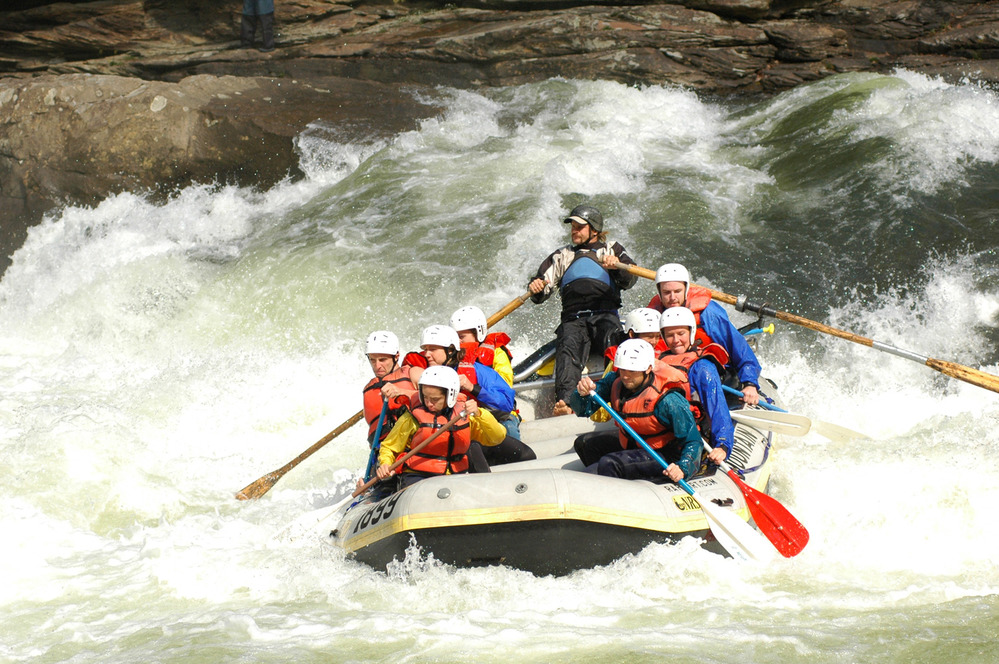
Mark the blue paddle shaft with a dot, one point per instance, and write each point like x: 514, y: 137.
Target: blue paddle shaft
x: 376, y: 444
x: 763, y: 402
x: 634, y: 434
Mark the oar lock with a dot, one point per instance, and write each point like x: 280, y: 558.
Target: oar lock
x: 742, y: 303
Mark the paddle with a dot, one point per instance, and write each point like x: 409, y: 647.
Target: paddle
x: 376, y: 442
x: 732, y: 533
x: 784, y: 531
x: 261, y: 486
x: 952, y: 369
x: 829, y: 430
x: 333, y: 509
x: 785, y: 423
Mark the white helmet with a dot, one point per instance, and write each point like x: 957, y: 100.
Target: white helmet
x: 634, y: 355
x: 470, y: 318
x: 445, y: 378
x: 440, y: 335
x: 672, y: 272
x: 382, y: 342
x: 642, y: 321
x: 679, y: 316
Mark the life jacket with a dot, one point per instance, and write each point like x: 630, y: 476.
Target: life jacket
x: 415, y: 359
x: 586, y: 286
x: 485, y: 352
x: 448, y: 453
x: 638, y: 410
x: 396, y: 407
x: 698, y: 298
x: 684, y: 361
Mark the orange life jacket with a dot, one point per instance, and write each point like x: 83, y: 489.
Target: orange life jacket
x: 713, y: 352
x: 397, y: 406
x: 448, y: 453
x: 698, y: 298
x: 638, y: 410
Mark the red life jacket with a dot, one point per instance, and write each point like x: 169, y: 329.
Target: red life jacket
x: 373, y: 400
x: 448, y: 453
x: 485, y: 352
x: 639, y: 410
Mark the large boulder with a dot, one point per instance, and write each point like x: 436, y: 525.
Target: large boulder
x: 80, y: 137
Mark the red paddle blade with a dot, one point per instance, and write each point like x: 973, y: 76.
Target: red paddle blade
x: 784, y: 531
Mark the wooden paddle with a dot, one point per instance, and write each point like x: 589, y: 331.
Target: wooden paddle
x: 952, y: 369
x: 732, y: 533
x: 784, y: 531
x: 261, y: 486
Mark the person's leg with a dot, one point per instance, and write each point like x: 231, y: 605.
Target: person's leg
x: 512, y: 425
x: 510, y: 450
x: 476, y: 459
x: 605, y: 331
x: 571, y: 354
x: 629, y: 465
x: 267, y: 31
x: 591, y: 446
x: 247, y: 29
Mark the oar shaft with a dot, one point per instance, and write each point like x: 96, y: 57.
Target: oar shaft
x: 952, y: 369
x: 508, y: 308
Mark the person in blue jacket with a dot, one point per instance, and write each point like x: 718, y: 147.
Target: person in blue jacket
x: 678, y: 328
x: 713, y: 325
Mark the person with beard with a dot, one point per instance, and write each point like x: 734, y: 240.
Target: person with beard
x: 584, y: 272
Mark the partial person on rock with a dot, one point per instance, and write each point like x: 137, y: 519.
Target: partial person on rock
x: 257, y: 13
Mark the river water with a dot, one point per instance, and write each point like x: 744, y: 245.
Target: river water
x: 155, y: 357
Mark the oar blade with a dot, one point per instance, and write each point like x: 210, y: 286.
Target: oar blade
x: 784, y: 531
x: 736, y: 536
x: 835, y: 432
x: 776, y: 421
x: 258, y: 487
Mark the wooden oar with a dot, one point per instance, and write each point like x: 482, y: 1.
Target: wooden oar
x: 732, y: 533
x: 261, y: 486
x: 952, y: 369
x: 785, y: 423
x: 784, y: 531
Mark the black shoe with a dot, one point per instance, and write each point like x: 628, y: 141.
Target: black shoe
x: 265, y: 50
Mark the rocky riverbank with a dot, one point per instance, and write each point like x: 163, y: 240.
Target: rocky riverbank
x: 113, y: 95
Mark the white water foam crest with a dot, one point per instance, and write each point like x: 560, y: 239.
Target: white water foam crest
x: 938, y: 129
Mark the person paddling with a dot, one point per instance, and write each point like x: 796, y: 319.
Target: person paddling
x: 439, y: 397
x: 590, y: 287
x: 679, y: 328
x: 391, y: 383
x: 651, y: 403
x: 673, y: 289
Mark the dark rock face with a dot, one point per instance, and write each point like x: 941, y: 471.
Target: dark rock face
x: 143, y: 94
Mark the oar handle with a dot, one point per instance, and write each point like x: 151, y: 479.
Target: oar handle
x: 741, y: 303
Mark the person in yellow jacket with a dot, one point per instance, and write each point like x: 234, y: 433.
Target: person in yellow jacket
x: 439, y: 397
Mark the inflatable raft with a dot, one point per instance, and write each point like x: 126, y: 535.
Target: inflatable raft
x: 547, y: 516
